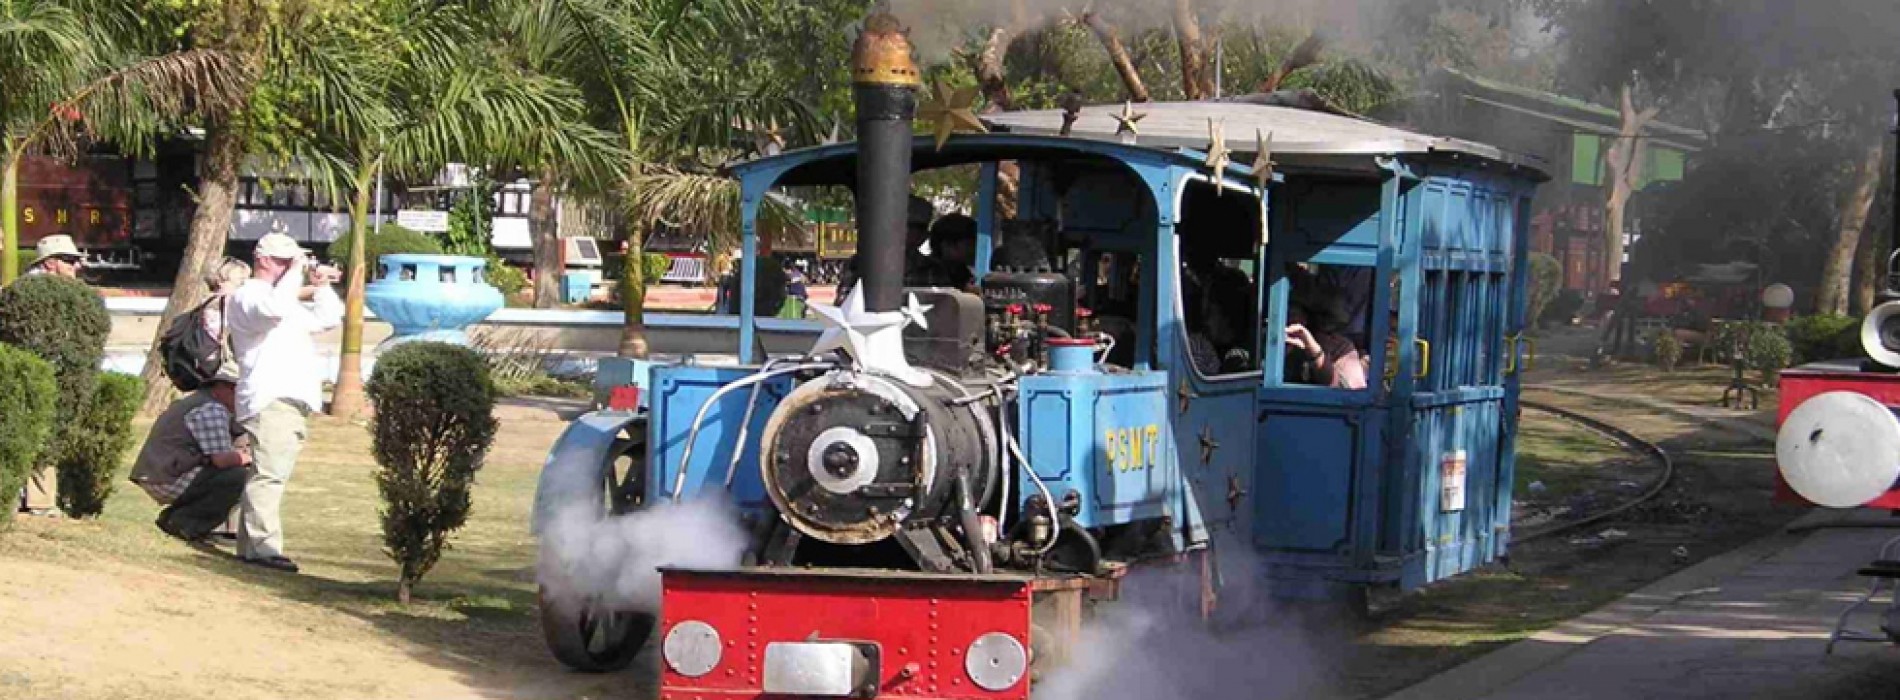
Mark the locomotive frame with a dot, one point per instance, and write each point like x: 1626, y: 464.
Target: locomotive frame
x: 1328, y: 491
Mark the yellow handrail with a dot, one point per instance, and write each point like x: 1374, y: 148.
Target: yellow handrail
x: 1424, y: 358
x: 1510, y: 353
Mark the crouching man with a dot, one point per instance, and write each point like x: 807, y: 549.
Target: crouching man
x: 192, y: 464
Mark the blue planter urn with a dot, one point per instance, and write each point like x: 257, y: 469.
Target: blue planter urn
x: 431, y: 297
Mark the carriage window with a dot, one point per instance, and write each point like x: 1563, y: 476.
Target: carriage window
x: 1219, y: 236
x: 1328, y: 328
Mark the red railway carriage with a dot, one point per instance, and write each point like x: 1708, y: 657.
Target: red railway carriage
x: 90, y: 199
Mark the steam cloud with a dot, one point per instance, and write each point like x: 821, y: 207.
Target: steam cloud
x: 1153, y: 645
x: 587, y: 557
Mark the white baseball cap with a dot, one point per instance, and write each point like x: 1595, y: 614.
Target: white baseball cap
x: 277, y: 245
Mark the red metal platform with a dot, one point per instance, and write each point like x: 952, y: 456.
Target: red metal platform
x: 919, y: 627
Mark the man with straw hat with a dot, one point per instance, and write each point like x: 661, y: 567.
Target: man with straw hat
x: 57, y: 256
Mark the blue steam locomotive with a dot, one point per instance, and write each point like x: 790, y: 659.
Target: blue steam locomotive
x: 1302, y: 343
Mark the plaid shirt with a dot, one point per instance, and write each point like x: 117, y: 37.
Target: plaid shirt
x: 210, y: 427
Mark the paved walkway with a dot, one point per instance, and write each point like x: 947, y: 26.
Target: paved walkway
x: 1744, y: 422
x: 1752, y: 623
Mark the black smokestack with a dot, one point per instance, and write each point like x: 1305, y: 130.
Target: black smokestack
x: 884, y: 82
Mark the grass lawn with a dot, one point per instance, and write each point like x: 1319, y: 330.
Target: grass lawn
x: 473, y: 624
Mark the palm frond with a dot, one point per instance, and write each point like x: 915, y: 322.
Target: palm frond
x: 129, y: 104
x: 704, y: 205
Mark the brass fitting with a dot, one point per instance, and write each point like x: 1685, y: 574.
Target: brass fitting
x: 882, y: 55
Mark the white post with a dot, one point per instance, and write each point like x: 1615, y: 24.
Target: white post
x: 379, y: 200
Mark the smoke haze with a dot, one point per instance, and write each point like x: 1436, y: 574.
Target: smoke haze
x: 940, y: 26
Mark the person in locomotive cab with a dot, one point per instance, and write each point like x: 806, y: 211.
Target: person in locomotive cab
x: 916, y: 232
x: 57, y: 256
x: 1317, y: 352
x: 952, y: 255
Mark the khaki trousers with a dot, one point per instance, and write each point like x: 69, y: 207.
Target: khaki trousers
x: 41, y: 486
x: 277, y: 436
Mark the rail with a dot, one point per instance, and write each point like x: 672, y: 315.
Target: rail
x: 1623, y: 437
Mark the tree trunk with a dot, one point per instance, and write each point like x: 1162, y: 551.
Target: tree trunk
x: 1306, y: 54
x: 402, y: 590
x: 546, y: 227
x: 346, y: 401
x: 1831, y: 297
x: 1624, y: 161
x: 633, y: 296
x: 1197, y: 81
x: 210, y: 226
x: 1117, y: 54
x: 988, y: 66
x: 10, y: 218
x: 1870, y: 270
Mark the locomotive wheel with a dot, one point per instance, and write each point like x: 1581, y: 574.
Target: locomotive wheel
x: 593, y: 640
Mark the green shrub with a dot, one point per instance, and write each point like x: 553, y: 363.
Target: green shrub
x: 1668, y: 349
x: 1546, y: 277
x: 1824, y: 337
x: 27, y: 392
x: 656, y: 266
x: 507, y: 278
x: 25, y: 257
x: 1563, y: 307
x: 90, y: 466
x: 1768, y: 351
x: 393, y: 240
x: 544, y: 386
x: 432, y: 428
x: 63, y: 322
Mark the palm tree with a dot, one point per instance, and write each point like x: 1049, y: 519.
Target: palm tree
x: 72, y: 72
x: 436, y: 97
x: 674, y: 79
x: 296, y: 51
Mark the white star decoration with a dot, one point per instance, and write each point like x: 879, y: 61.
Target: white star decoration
x: 849, y: 326
x: 873, y: 341
x: 914, y: 313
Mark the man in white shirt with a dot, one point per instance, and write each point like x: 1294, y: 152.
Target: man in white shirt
x: 272, y: 320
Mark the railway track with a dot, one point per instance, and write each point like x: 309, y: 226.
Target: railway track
x: 1627, y: 440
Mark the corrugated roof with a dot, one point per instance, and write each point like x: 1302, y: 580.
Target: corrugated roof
x: 1611, y: 118
x: 1294, y: 131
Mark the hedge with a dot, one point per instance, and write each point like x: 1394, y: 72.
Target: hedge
x: 433, y: 425
x: 392, y: 240
x: 90, y: 466
x: 63, y: 322
x: 27, y: 392
x: 1825, y: 337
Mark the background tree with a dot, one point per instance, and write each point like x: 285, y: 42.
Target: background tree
x: 72, y: 72
x: 428, y: 93
x: 277, y: 43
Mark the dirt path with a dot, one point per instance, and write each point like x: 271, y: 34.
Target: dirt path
x: 122, y: 632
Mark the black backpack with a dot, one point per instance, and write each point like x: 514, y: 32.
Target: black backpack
x: 192, y: 355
